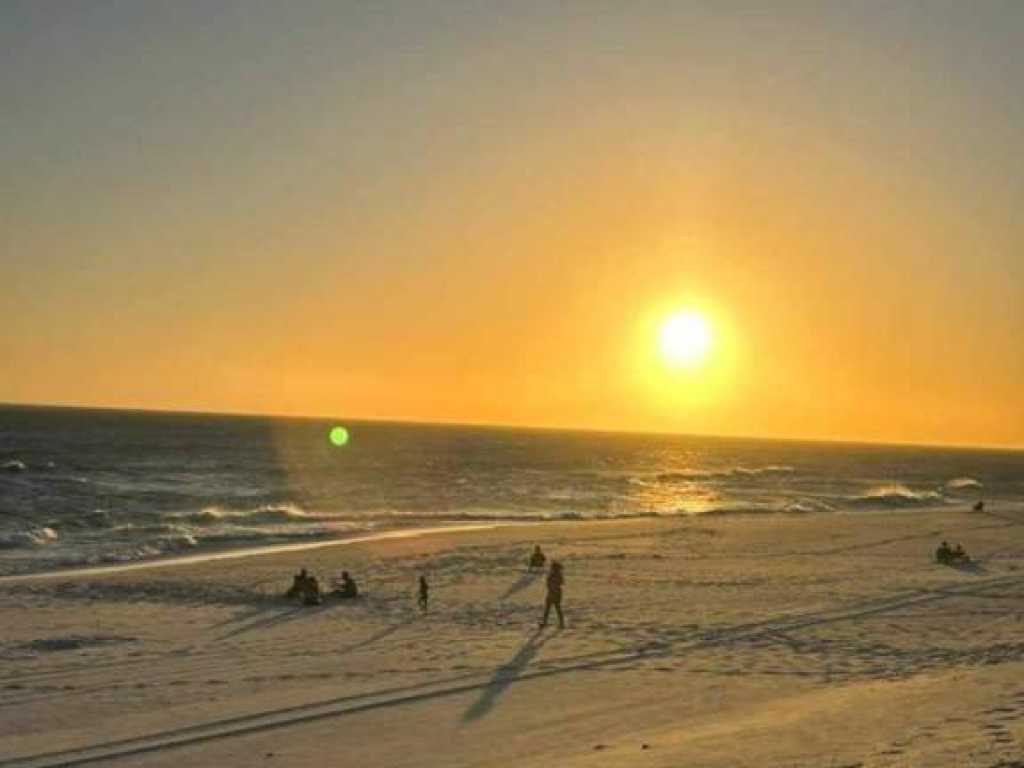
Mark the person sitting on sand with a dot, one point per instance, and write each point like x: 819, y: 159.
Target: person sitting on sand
x: 944, y: 554
x: 298, y: 587
x: 346, y: 588
x: 979, y: 507
x: 537, y: 558
x: 958, y: 553
x: 424, y: 593
x: 554, y: 596
x: 311, y: 593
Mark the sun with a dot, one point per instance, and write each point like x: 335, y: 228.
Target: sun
x: 685, y: 339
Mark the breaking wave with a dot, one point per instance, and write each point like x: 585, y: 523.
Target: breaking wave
x: 266, y: 514
x: 36, y: 537
x: 896, y: 495
x: 963, y: 484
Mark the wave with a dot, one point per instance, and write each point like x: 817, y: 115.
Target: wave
x: 14, y: 465
x: 896, y: 495
x: 36, y: 537
x: 687, y: 475
x: 133, y: 531
x: 802, y: 506
x: 267, y: 513
x: 98, y: 518
x: 807, y: 506
x: 963, y: 484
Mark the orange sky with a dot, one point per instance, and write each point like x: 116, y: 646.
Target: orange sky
x: 469, y: 214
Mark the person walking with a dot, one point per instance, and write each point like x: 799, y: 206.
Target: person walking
x: 554, y: 597
x: 424, y: 593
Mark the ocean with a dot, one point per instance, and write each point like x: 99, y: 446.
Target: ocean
x: 85, y: 487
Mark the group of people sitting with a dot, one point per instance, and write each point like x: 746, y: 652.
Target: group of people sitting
x: 947, y: 555
x: 306, y: 588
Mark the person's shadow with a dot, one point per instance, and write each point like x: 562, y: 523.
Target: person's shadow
x: 521, y: 583
x: 505, y: 675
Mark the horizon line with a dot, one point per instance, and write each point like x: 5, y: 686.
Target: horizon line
x: 524, y: 427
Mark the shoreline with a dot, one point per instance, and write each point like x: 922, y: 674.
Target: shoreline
x: 416, y: 531
x: 248, y: 552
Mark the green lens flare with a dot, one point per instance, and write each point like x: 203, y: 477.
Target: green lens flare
x: 339, y: 436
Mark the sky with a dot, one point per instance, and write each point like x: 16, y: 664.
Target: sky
x: 484, y: 211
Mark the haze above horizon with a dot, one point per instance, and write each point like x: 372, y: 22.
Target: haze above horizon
x: 797, y: 222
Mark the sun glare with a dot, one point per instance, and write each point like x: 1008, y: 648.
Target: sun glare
x: 685, y: 339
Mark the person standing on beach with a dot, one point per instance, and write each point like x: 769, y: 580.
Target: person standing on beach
x: 424, y: 593
x: 554, y: 596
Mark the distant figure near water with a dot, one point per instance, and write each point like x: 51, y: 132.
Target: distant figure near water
x: 299, y: 582
x: 537, y: 558
x: 979, y: 507
x: 311, y: 594
x: 554, y: 596
x: 346, y: 588
x: 424, y: 598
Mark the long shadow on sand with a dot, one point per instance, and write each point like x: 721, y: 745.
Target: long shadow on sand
x: 521, y: 583
x: 504, y: 676
x: 292, y: 613
x: 512, y: 672
x: 973, y: 567
x: 379, y: 636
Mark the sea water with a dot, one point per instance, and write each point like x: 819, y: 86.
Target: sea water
x: 80, y: 486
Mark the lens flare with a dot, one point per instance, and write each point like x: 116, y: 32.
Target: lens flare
x: 339, y: 436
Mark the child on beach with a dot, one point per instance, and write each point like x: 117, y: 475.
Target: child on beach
x: 554, y: 596
x: 537, y: 558
x: 424, y: 593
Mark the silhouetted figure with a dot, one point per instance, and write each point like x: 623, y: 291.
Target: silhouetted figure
x: 979, y: 507
x: 298, y: 588
x: 537, y: 558
x: 424, y: 594
x: 554, y: 596
x: 311, y: 594
x: 950, y: 555
x: 346, y: 588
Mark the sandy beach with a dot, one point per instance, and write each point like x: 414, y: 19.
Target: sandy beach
x: 801, y: 640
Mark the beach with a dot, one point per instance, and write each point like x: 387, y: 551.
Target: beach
x: 757, y: 640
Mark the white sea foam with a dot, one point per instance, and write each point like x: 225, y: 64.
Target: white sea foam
x: 963, y: 484
x: 267, y: 513
x: 897, y: 495
x: 35, y: 537
x: 687, y: 475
